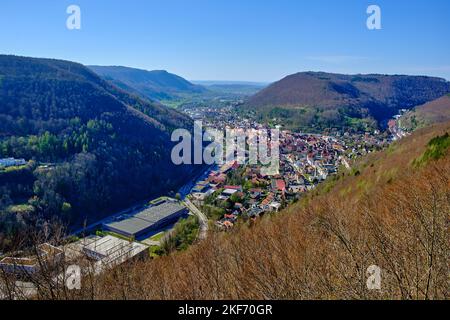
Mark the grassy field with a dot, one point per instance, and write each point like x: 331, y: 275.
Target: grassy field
x: 157, y: 237
x: 154, y: 201
x: 13, y: 168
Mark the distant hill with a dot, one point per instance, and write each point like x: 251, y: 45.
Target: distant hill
x: 239, y: 88
x: 318, y: 100
x: 432, y: 112
x: 104, y: 148
x: 156, y: 85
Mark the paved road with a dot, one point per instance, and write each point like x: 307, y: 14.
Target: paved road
x: 203, y: 220
x: 108, y: 219
x: 186, y: 189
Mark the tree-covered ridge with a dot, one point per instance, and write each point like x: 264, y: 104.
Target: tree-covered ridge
x: 95, y: 148
x: 156, y: 85
x: 315, y: 101
x: 57, y: 89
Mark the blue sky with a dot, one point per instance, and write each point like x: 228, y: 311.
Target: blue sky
x: 254, y: 40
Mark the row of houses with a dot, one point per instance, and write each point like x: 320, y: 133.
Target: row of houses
x: 305, y: 161
x: 250, y: 203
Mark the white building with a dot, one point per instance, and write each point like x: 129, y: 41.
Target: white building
x: 10, y: 162
x: 110, y: 251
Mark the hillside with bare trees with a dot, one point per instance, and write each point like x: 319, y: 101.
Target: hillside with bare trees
x: 436, y: 111
x: 318, y: 100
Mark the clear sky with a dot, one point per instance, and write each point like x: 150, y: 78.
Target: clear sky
x: 254, y: 40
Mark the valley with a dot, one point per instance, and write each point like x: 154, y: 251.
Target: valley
x: 54, y: 165
x: 224, y: 158
x: 235, y: 192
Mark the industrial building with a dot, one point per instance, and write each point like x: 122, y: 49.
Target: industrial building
x: 47, y: 255
x: 10, y: 162
x: 149, y: 219
x: 110, y: 251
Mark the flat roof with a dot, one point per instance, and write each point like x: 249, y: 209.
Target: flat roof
x: 157, y: 213
x: 114, y: 250
x: 230, y: 191
x: 146, y: 218
x: 108, y: 245
x: 131, y: 225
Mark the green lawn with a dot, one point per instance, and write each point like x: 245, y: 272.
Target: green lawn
x: 157, y: 237
x: 158, y: 199
x: 154, y: 251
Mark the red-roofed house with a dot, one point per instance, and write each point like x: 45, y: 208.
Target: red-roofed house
x: 279, y: 185
x: 217, y: 179
x: 238, y: 188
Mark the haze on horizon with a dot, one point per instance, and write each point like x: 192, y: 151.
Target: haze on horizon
x: 235, y: 40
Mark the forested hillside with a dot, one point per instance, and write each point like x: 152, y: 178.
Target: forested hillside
x: 91, y: 148
x: 315, y: 101
x: 156, y: 85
